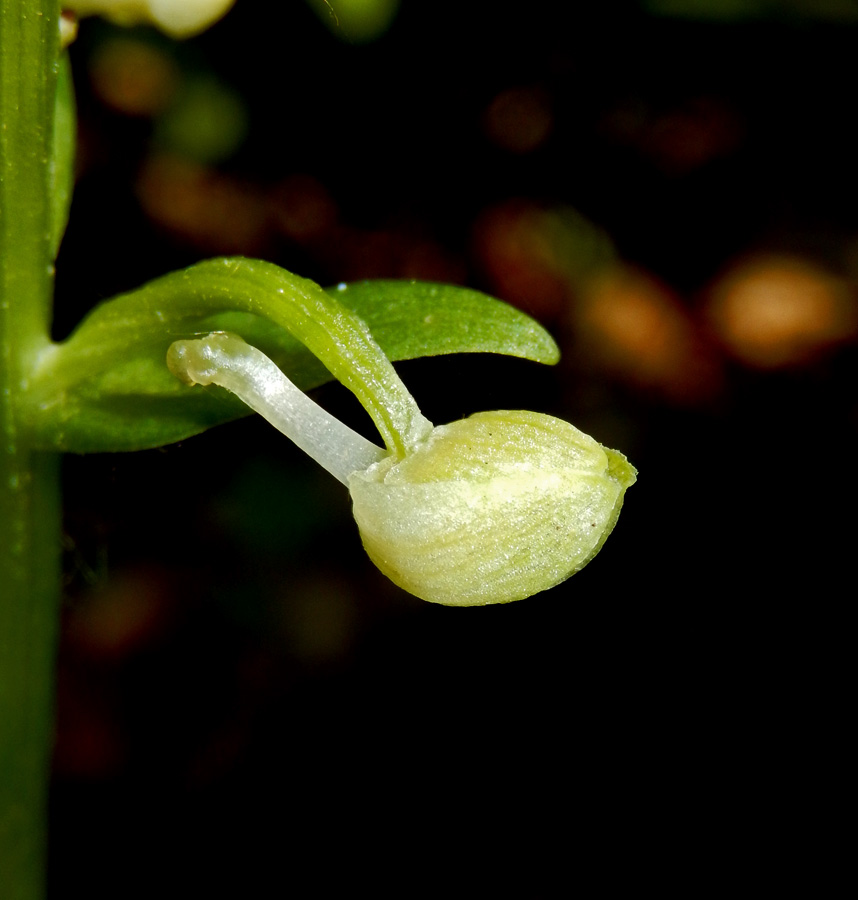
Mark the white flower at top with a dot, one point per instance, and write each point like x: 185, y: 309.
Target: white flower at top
x: 178, y: 18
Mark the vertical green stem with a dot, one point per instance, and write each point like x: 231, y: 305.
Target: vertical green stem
x: 29, y: 502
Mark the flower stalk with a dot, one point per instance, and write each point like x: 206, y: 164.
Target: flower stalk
x: 226, y: 360
x: 29, y: 495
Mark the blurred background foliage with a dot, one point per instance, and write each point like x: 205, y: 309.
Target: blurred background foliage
x: 670, y: 186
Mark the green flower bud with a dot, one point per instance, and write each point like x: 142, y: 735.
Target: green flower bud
x: 489, y: 509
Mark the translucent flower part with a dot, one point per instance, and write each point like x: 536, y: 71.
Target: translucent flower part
x: 489, y: 509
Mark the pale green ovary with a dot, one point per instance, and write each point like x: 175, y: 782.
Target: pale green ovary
x: 466, y: 544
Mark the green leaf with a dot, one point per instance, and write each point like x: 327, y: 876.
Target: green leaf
x: 410, y: 319
x: 62, y: 162
x: 108, y: 388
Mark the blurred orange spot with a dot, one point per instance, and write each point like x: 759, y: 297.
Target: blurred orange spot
x: 775, y: 312
x: 636, y: 330
x: 519, y: 119
x: 130, y: 611
x: 211, y: 211
x: 133, y: 77
x: 303, y: 209
x: 537, y: 257
x: 395, y: 253
x: 687, y: 138
x: 681, y: 139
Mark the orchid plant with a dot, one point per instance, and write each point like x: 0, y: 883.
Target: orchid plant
x: 490, y: 509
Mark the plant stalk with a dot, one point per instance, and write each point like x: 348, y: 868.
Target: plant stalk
x: 29, y: 494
